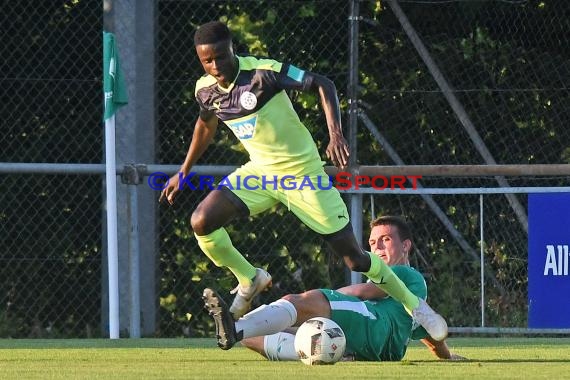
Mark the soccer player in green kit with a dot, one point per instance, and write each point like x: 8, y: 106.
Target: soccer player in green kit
x: 248, y: 95
x: 376, y: 326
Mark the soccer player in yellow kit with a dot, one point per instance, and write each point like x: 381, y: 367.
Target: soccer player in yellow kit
x: 248, y: 95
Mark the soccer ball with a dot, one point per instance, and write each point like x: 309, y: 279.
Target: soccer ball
x: 320, y: 341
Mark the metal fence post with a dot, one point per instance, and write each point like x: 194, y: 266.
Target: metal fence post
x: 482, y: 259
x: 355, y: 199
x: 134, y: 25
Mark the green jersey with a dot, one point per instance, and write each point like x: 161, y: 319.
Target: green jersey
x: 260, y: 114
x: 378, y: 330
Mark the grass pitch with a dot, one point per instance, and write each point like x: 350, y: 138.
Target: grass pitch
x: 490, y: 358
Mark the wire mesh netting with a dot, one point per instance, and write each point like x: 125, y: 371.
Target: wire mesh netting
x: 51, y: 232
x: 490, y: 86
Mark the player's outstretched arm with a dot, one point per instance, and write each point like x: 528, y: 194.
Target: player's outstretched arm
x: 337, y: 150
x: 367, y: 291
x: 204, y: 132
x: 440, y: 349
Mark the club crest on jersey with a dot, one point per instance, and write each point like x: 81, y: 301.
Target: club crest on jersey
x: 248, y: 100
x: 243, y: 129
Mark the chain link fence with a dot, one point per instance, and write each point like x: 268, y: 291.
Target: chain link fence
x: 50, y: 225
x: 506, y: 63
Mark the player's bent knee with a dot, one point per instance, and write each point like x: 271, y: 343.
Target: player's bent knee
x: 254, y: 343
x: 311, y: 303
x: 204, y: 224
x: 199, y: 223
x: 293, y: 298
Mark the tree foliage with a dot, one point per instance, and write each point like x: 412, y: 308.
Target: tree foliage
x: 507, y: 62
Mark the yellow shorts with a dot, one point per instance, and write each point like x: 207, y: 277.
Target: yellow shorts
x: 311, y: 197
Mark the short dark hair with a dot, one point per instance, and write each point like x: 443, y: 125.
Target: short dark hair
x: 404, y: 230
x: 212, y: 32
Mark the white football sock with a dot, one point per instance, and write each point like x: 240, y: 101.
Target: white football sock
x: 267, y: 319
x: 280, y: 347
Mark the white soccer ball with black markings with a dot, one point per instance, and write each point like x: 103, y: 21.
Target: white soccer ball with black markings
x: 320, y: 341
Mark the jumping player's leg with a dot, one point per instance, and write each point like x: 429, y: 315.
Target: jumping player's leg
x: 220, y: 207
x: 343, y: 243
x: 325, y: 213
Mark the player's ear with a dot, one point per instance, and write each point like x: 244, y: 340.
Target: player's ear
x: 407, y: 245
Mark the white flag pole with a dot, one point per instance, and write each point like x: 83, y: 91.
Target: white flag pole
x: 115, y: 96
x: 112, y: 244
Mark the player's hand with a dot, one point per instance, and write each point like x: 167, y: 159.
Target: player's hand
x: 169, y: 192
x: 456, y: 357
x: 337, y: 151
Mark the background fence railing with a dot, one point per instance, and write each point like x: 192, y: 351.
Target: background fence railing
x: 420, y: 83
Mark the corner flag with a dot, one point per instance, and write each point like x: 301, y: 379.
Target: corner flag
x: 115, y: 96
x: 113, y: 82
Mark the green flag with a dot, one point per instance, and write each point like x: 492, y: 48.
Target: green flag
x: 113, y: 82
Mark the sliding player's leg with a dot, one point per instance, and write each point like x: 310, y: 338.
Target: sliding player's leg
x: 275, y: 347
x: 291, y: 310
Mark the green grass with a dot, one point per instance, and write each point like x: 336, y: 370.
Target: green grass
x: 490, y: 358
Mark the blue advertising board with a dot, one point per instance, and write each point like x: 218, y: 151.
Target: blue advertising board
x: 549, y: 260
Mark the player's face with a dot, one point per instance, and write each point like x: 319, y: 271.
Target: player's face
x: 219, y: 61
x: 385, y: 242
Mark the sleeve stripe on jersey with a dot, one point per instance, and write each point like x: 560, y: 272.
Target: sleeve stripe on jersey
x: 253, y: 63
x: 295, y: 73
